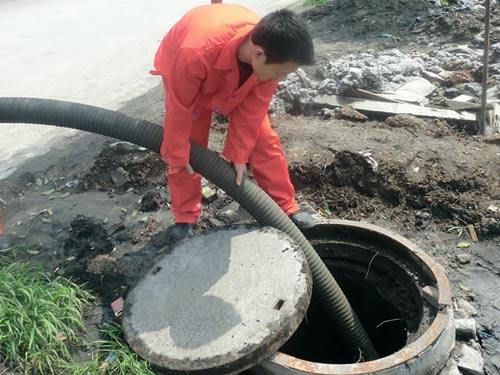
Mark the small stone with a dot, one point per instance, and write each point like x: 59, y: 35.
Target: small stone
x: 464, y: 258
x: 326, y: 113
x: 215, y: 222
x: 349, y: 113
x: 466, y: 307
x: 229, y: 214
x: 151, y: 201
x: 120, y: 177
x: 469, y: 361
x: 405, y: 121
x: 450, y: 368
x: 465, y: 329
x: 209, y: 194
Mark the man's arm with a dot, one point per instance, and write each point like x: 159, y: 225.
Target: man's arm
x: 182, y: 84
x: 245, y: 121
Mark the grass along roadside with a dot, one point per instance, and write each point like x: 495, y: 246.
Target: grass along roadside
x: 42, y: 323
x: 111, y: 356
x: 40, y: 318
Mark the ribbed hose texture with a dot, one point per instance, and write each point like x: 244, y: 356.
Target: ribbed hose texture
x: 211, y: 166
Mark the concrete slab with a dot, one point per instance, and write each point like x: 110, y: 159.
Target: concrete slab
x: 219, y: 302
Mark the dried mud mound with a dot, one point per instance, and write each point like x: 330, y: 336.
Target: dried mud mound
x: 121, y: 166
x: 397, y: 19
x: 350, y: 187
x: 365, y: 17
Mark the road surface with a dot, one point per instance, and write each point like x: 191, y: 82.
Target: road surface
x: 94, y: 52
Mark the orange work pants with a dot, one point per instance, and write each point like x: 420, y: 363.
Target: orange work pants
x: 268, y: 164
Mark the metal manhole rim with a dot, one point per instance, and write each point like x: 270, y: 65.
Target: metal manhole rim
x: 429, y: 337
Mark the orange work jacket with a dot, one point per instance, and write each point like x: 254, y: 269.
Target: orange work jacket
x: 198, y: 62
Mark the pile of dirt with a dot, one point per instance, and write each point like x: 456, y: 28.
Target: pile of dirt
x: 121, y: 166
x: 365, y: 18
x: 398, y: 20
x: 350, y: 187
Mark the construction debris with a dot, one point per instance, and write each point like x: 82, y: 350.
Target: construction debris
x: 465, y: 328
x: 469, y: 360
x: 386, y: 108
x: 440, y: 84
x: 349, y: 113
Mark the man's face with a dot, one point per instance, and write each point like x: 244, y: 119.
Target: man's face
x: 266, y: 72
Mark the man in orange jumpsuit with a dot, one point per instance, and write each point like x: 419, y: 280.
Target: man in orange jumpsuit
x: 223, y: 58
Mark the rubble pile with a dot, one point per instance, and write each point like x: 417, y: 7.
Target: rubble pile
x: 381, y: 72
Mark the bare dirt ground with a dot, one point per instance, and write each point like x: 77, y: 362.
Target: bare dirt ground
x: 95, y: 209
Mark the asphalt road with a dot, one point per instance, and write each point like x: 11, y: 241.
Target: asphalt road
x: 94, y: 52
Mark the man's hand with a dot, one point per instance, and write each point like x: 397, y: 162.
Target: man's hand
x: 189, y: 169
x: 241, y: 171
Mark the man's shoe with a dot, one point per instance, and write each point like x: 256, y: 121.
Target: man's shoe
x: 302, y: 220
x: 179, y: 231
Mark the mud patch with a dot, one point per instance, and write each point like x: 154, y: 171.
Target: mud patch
x: 121, y: 166
x: 348, y: 187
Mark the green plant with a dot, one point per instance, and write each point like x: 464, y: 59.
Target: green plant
x: 111, y: 356
x: 40, y: 318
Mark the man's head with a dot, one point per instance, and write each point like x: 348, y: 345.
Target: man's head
x: 281, y: 43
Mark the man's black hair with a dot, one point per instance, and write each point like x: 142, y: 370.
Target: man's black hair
x: 284, y: 36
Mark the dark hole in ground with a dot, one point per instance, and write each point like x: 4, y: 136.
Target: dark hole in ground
x: 380, y: 305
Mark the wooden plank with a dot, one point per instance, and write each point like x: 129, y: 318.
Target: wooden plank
x: 373, y: 106
x: 472, y: 232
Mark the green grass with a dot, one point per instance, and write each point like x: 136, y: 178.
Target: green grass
x: 111, y: 357
x: 41, y: 324
x: 40, y: 318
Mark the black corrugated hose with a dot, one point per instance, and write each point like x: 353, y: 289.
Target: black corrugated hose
x: 211, y: 166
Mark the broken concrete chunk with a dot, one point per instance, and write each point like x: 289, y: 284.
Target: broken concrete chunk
x: 433, y: 77
x: 469, y: 361
x: 374, y: 106
x: 209, y: 194
x: 467, y: 307
x: 120, y: 177
x: 450, y: 368
x: 464, y: 258
x: 460, y: 314
x: 349, y: 113
x: 465, y: 328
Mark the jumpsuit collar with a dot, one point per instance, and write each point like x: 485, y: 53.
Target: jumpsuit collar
x: 227, y: 59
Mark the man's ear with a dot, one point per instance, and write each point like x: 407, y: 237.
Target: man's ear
x: 260, y: 53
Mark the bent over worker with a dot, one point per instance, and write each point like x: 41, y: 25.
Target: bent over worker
x: 222, y: 58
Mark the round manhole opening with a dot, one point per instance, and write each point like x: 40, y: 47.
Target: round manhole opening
x: 400, y: 294
x: 383, y: 295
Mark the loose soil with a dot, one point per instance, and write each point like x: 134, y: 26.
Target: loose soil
x: 96, y: 209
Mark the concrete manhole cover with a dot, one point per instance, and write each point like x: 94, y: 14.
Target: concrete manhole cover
x: 219, y: 302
